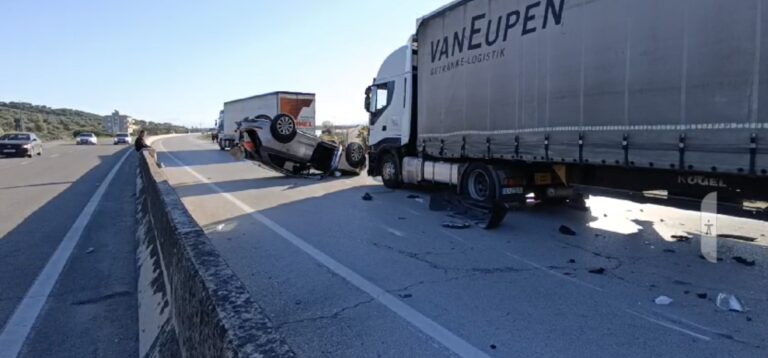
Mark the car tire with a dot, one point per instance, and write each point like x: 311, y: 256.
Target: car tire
x: 283, y: 128
x: 355, y: 155
x: 479, y: 184
x: 390, y: 171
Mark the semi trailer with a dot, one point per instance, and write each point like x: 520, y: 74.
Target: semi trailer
x: 300, y: 106
x: 503, y: 99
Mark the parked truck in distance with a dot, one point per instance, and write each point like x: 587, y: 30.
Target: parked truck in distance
x: 300, y: 106
x: 507, y: 98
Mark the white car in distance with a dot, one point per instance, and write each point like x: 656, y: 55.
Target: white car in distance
x: 86, y: 138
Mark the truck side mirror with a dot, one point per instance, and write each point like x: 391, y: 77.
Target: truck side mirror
x: 368, y: 100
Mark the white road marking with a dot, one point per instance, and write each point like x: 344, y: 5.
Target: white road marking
x: 553, y: 272
x: 394, y: 232
x: 455, y: 236
x: 18, y: 327
x: 414, y: 212
x: 451, y: 341
x: 668, y: 325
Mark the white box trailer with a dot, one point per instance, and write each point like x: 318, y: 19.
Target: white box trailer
x: 507, y: 97
x: 300, y: 106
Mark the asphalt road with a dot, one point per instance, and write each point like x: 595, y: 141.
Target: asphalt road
x: 343, y: 277
x: 92, y: 308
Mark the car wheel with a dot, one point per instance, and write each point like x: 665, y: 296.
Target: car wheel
x: 390, y: 171
x: 355, y: 155
x: 479, y: 184
x: 283, y: 128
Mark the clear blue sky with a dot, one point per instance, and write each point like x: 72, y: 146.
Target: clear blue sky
x: 178, y: 61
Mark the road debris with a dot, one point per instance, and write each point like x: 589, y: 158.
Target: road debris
x: 571, y: 261
x: 400, y: 218
x: 456, y: 225
x: 743, y: 261
x: 738, y: 237
x: 413, y: 196
x: 702, y: 295
x: 663, y: 300
x: 669, y: 251
x: 566, y: 231
x: 405, y: 295
x: 367, y: 197
x: 681, y: 238
x: 597, y: 271
x: 493, y: 346
x: 729, y: 302
x: 90, y: 249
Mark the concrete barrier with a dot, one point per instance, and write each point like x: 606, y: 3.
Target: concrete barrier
x: 191, y: 304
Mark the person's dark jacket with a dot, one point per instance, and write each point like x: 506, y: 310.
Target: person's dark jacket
x: 140, y: 144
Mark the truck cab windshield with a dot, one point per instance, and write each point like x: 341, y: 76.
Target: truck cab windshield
x: 380, y: 98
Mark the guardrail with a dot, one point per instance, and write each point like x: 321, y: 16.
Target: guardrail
x: 191, y: 303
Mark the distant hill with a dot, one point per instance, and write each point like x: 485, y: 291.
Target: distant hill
x: 63, y: 123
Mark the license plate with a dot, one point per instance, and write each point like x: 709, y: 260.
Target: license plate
x: 9, y: 150
x: 510, y: 191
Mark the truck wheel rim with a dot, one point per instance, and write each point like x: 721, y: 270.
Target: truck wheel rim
x: 284, y: 126
x: 479, y: 185
x: 388, y: 170
x: 357, y: 153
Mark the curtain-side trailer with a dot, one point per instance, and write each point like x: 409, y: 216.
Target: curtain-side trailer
x: 504, y: 98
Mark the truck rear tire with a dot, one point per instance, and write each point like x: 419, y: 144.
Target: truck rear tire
x: 390, y: 171
x: 283, y: 128
x: 479, y: 184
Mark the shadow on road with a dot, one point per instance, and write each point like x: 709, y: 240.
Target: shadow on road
x: 27, y: 247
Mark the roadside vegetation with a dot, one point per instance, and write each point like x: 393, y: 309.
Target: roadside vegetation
x: 63, y: 123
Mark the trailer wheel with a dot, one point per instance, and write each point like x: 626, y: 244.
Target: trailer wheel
x: 283, y: 128
x: 355, y: 155
x: 479, y: 184
x: 390, y: 171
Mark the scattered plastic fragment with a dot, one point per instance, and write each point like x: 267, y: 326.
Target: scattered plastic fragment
x: 681, y: 238
x: 566, y: 231
x: 367, y: 197
x: 456, y: 225
x: 406, y: 295
x: 413, y: 196
x: 663, y: 300
x: 729, y: 302
x: 686, y: 292
x: 571, y: 261
x: 702, y: 295
x: 597, y: 271
x: 744, y: 261
x: 90, y: 249
x: 493, y: 346
x: 749, y: 319
x: 669, y: 251
x: 297, y: 302
x: 400, y: 218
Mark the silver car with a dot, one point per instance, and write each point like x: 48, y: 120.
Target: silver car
x: 277, y: 143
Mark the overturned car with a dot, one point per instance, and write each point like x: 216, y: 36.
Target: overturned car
x: 277, y: 143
